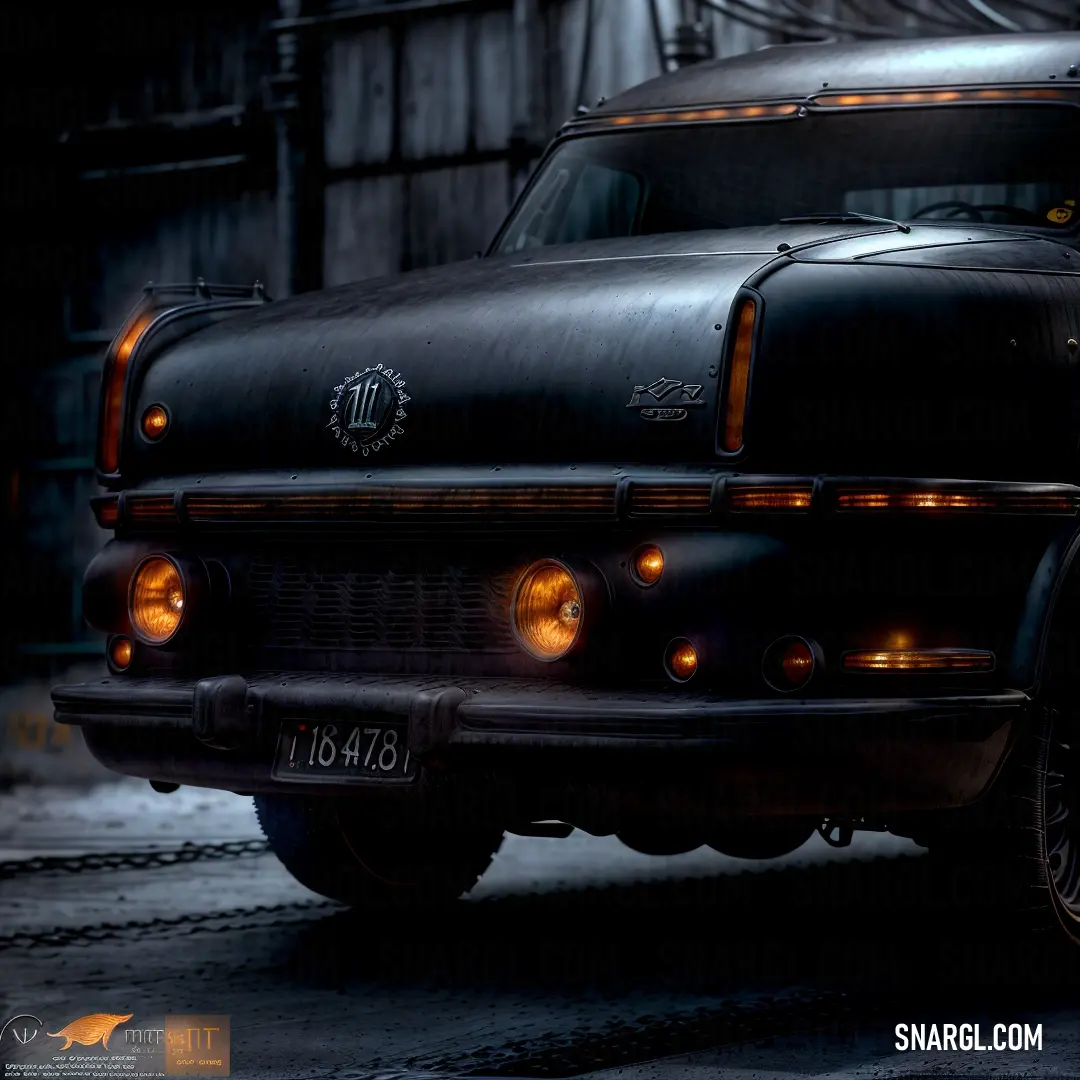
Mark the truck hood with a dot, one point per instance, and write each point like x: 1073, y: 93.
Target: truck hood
x: 598, y: 352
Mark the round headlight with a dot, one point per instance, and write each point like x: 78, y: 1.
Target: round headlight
x: 548, y: 610
x: 156, y: 599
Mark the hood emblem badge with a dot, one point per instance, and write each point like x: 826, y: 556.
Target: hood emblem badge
x: 367, y: 409
x: 666, y: 399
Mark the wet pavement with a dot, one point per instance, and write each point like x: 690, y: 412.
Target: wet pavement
x: 569, y: 957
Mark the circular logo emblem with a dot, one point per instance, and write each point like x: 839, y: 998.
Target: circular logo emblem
x: 367, y: 409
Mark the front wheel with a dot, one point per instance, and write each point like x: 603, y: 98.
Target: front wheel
x: 1018, y: 851
x: 332, y: 848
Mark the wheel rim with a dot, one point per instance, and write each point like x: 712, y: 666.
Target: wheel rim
x: 1061, y: 814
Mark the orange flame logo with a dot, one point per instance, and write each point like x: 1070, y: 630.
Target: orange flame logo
x: 88, y: 1029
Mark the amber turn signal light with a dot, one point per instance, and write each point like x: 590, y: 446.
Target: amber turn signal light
x: 681, y: 660
x: 155, y: 422
x: 647, y: 565
x: 121, y: 651
x: 156, y: 600
x: 548, y: 610
x: 738, y: 382
x: 114, y: 377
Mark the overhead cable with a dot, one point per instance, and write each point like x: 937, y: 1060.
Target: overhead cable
x: 988, y: 12
x: 840, y: 25
x: 767, y: 23
x: 925, y: 16
x: 798, y: 19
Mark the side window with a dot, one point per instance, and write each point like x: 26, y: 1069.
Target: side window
x: 539, y: 213
x: 604, y: 204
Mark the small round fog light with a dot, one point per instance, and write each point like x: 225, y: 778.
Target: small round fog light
x: 681, y: 660
x: 548, y: 610
x: 155, y: 422
x: 790, y: 663
x: 120, y: 652
x: 156, y: 599
x: 647, y: 565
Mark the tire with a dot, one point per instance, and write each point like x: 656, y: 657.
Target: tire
x: 327, y: 847
x: 657, y: 842
x: 1016, y: 853
x: 761, y: 841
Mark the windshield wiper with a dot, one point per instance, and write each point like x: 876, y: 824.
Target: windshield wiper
x: 844, y: 215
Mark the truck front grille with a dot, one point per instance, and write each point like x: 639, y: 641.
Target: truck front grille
x: 334, y: 602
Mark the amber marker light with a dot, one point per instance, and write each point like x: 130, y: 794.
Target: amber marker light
x: 681, y: 660
x: 790, y: 662
x: 941, y: 97
x: 701, y: 116
x: 156, y: 600
x: 155, y: 422
x: 548, y: 610
x: 918, y: 660
x: 1007, y: 501
x: 797, y: 663
x: 106, y: 511
x: 120, y: 652
x: 647, y: 565
x: 738, y: 383
x: 771, y: 497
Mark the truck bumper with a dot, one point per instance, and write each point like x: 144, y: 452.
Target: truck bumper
x: 863, y: 757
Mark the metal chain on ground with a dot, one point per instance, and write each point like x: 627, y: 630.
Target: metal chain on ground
x: 132, y: 860
x: 93, y: 934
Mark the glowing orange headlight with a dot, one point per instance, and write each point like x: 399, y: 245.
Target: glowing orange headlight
x: 156, y: 599
x: 548, y: 610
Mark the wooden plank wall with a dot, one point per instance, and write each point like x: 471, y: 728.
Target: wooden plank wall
x: 418, y: 127
x: 443, y: 199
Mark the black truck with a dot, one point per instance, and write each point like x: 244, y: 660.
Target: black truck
x: 731, y: 496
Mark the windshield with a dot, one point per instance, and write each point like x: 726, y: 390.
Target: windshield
x: 1015, y: 165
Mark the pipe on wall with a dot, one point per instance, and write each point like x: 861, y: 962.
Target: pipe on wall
x: 527, y: 56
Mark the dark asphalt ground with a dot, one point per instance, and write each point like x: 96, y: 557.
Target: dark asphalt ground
x: 569, y: 958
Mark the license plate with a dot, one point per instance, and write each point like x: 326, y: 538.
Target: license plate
x: 343, y: 752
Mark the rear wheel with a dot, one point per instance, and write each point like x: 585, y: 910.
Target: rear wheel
x: 332, y: 847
